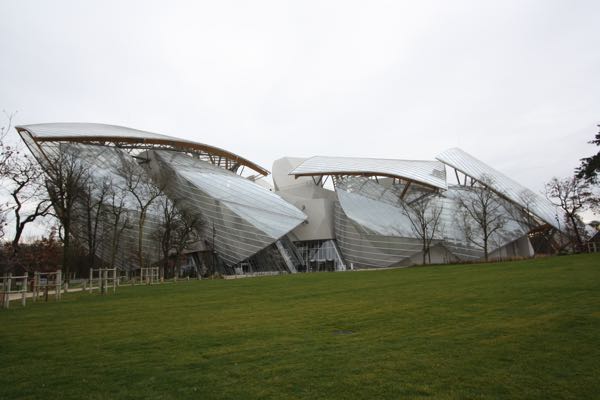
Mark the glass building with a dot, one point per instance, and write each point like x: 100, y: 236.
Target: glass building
x: 389, y: 213
x: 242, y: 225
x: 320, y: 213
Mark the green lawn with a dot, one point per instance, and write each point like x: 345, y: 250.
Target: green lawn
x: 526, y: 329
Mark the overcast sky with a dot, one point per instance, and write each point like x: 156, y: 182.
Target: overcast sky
x: 515, y: 83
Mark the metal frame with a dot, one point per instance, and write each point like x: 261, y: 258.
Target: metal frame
x: 476, y: 182
x: 214, y: 155
x: 367, y: 174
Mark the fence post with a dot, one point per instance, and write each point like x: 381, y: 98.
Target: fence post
x: 58, y: 284
x: 7, y: 292
x: 24, y: 289
x: 35, y: 279
x: 4, y: 294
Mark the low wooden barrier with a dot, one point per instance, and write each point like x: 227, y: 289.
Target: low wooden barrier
x: 44, y: 282
x: 104, y: 278
x: 6, y: 288
x: 149, y: 275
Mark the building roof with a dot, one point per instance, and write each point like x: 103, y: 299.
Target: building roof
x: 94, y: 133
x: 429, y: 173
x: 503, y: 185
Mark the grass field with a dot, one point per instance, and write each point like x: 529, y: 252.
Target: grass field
x: 526, y: 329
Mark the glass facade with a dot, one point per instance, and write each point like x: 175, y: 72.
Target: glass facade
x: 115, y: 234
x: 241, y: 221
x: 320, y: 255
x: 505, y: 186
x: 373, y: 228
x: 241, y: 218
x: 367, y: 223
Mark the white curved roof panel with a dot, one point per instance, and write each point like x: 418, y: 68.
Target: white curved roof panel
x: 89, y: 132
x: 502, y: 184
x: 430, y: 173
x: 75, y: 129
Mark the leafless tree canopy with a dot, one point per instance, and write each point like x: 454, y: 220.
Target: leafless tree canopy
x: 481, y: 214
x: 424, y: 214
x: 141, y: 187
x: 66, y: 182
x: 6, y: 153
x: 572, y: 195
x: 25, y: 181
x: 176, y: 231
x: 22, y: 178
x: 118, y: 218
x: 94, y: 211
x: 6, y: 150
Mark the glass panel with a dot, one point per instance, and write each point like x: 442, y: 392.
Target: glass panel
x: 242, y: 217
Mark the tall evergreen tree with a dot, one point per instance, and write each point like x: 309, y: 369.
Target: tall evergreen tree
x: 590, y: 166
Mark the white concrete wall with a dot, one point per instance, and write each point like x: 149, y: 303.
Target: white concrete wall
x: 316, y: 202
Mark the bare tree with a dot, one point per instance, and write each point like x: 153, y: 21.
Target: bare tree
x: 165, y: 232
x: 572, y: 196
x: 118, y: 218
x: 22, y: 178
x: 176, y: 231
x: 6, y: 154
x: 524, y: 213
x: 541, y: 235
x: 6, y: 151
x: 66, y: 180
x: 3, y: 223
x: 187, y: 232
x: 481, y: 214
x: 93, y: 200
x: 29, y: 197
x: 424, y: 214
x: 145, y: 192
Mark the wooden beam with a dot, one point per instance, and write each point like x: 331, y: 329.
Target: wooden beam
x: 182, y: 145
x: 405, y: 190
x: 363, y: 174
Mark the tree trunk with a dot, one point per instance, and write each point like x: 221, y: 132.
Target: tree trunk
x: 485, y: 249
x: 15, y: 243
x: 115, y: 242
x: 576, y: 230
x: 141, y: 238
x: 66, y: 250
x: 177, y: 271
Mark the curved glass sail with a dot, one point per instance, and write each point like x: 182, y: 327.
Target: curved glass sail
x: 373, y: 227
x: 241, y: 217
x: 503, y: 185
